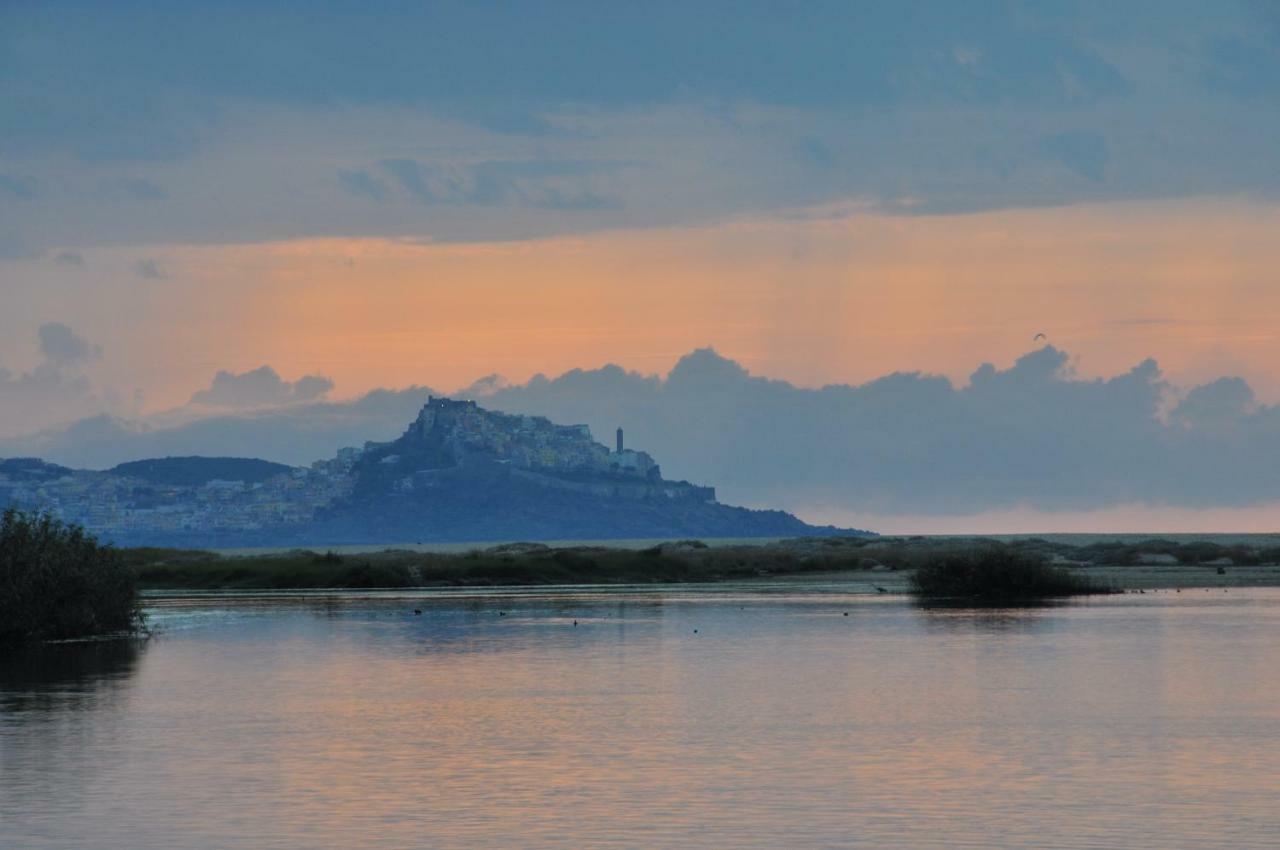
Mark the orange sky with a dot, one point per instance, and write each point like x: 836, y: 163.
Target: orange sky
x: 827, y: 296
x: 822, y: 296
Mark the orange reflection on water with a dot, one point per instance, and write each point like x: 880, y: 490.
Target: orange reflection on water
x: 1127, y: 721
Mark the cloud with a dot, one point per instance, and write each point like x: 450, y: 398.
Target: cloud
x: 540, y: 184
x: 813, y: 153
x: 132, y: 189
x: 1247, y: 66
x: 1032, y: 436
x: 69, y: 258
x: 14, y: 247
x: 311, y: 387
x: 16, y: 186
x: 1222, y: 403
x: 110, y: 91
x: 295, y: 435
x: 149, y: 269
x: 63, y: 347
x: 725, y: 110
x: 54, y: 390
x: 483, y: 387
x: 363, y: 184
x: 1084, y: 153
x: 261, y: 387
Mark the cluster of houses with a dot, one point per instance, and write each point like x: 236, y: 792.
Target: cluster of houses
x: 529, y: 442
x: 128, y: 506
x: 124, y: 507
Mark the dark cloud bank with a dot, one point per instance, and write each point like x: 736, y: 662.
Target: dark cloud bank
x: 261, y: 387
x: 120, y: 125
x: 1030, y: 435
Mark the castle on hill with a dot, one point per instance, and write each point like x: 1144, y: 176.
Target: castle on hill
x: 458, y: 472
x: 529, y: 442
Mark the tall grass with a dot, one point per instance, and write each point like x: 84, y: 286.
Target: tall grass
x: 684, y: 562
x: 57, y: 581
x: 958, y: 567
x: 994, y: 573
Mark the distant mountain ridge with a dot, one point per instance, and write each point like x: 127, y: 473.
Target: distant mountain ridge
x: 31, y: 469
x: 458, y: 473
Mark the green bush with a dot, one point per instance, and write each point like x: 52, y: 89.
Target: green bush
x: 994, y: 573
x: 57, y: 582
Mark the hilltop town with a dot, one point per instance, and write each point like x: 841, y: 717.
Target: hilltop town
x: 451, y: 435
x: 459, y: 472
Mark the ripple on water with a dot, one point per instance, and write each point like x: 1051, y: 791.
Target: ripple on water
x: 793, y: 717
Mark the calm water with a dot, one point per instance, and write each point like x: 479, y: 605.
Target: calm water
x: 348, y: 722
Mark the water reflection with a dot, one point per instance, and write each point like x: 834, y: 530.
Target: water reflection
x: 951, y: 615
x: 443, y: 622
x: 69, y: 676
x: 662, y: 720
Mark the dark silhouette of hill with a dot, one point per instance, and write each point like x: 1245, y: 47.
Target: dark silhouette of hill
x: 486, y: 502
x: 31, y: 469
x: 459, y: 472
x: 194, y: 471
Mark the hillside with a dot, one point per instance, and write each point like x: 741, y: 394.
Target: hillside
x: 30, y: 470
x: 194, y: 471
x: 458, y: 473
x: 464, y: 473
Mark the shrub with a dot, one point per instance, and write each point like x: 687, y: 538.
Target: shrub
x: 994, y: 573
x: 366, y: 575
x: 57, y: 581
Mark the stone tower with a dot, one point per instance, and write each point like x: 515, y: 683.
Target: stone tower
x: 619, y: 440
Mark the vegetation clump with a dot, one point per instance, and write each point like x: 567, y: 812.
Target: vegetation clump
x: 995, y: 573
x: 957, y: 567
x: 510, y: 564
x: 58, y: 582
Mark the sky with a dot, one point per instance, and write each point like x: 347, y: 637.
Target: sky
x: 218, y: 215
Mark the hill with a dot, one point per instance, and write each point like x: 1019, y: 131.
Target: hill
x: 194, y: 471
x: 458, y: 473
x: 31, y: 470
x: 464, y: 473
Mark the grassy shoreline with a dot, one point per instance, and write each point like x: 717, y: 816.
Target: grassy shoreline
x: 875, y: 563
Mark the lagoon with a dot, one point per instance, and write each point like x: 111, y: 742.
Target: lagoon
x: 759, y: 715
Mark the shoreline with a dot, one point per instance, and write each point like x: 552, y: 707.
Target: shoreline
x: 1073, y: 539
x: 1118, y: 577
x: 876, y: 565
